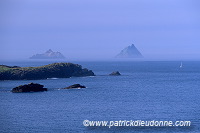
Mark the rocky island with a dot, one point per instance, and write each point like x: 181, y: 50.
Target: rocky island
x: 48, y: 55
x: 32, y: 87
x: 130, y: 52
x: 75, y: 86
x: 116, y: 73
x: 55, y: 70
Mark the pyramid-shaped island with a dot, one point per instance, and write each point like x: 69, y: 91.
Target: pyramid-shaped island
x: 130, y: 52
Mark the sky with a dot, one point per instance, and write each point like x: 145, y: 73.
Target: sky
x: 100, y: 29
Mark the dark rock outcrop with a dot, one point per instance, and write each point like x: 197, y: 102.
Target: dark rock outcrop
x: 48, y: 55
x: 55, y: 70
x: 116, y: 73
x: 75, y: 86
x: 32, y: 87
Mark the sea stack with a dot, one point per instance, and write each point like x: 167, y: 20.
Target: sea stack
x: 130, y: 52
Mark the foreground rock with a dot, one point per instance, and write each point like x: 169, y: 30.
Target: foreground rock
x: 32, y: 87
x: 116, y: 73
x: 55, y: 70
x: 75, y: 86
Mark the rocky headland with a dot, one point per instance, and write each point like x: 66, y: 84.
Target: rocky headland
x: 55, y: 70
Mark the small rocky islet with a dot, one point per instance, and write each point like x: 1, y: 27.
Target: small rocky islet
x: 31, y: 87
x: 115, y: 73
x: 75, y: 86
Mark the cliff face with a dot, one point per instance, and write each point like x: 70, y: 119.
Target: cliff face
x: 130, y: 52
x: 48, y: 55
x: 55, y: 70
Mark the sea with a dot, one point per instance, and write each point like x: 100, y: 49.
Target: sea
x: 146, y: 91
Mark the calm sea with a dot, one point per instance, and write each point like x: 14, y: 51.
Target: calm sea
x: 149, y: 90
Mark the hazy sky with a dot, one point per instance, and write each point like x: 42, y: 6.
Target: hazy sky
x: 100, y: 28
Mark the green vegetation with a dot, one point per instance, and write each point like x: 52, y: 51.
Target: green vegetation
x: 55, y: 70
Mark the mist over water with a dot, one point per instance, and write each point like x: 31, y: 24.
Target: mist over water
x: 161, y: 30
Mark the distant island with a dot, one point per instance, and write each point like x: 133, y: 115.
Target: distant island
x: 48, y: 55
x: 130, y: 52
x: 55, y: 70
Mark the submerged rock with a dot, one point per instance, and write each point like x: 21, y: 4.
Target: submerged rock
x: 75, y: 86
x: 31, y: 87
x: 116, y: 73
